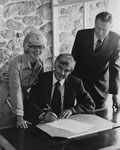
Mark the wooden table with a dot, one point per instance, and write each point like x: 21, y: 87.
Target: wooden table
x: 35, y: 139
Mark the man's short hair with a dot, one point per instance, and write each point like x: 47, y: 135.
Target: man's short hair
x: 66, y: 59
x: 104, y: 17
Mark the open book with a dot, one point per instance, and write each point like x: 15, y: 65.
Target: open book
x: 76, y: 126
x: 70, y: 125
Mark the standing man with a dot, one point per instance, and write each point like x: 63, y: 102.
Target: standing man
x: 97, y: 52
x: 58, y: 94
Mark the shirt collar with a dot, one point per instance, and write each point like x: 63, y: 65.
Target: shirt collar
x: 26, y: 63
x: 55, y: 80
x: 96, y: 39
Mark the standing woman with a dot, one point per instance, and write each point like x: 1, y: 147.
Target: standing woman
x: 23, y: 72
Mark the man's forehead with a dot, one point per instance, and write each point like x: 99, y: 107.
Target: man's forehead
x: 65, y: 66
x: 100, y: 23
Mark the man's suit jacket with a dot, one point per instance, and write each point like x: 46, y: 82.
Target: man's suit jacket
x: 40, y: 95
x: 99, y: 73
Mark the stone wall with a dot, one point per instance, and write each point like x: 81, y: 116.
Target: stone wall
x: 17, y: 18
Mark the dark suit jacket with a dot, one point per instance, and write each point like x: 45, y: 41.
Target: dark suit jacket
x: 40, y: 95
x: 99, y: 73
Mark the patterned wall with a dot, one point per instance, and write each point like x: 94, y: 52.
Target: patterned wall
x: 17, y: 18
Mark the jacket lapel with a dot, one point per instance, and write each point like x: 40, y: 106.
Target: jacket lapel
x: 104, y: 53
x: 67, y: 92
x: 90, y: 44
x: 48, y: 87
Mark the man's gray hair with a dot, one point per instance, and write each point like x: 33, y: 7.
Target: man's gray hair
x: 66, y: 59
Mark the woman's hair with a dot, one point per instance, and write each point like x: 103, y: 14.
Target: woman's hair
x: 34, y: 38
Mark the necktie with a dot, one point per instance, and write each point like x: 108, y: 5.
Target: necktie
x: 56, y: 99
x: 98, y: 45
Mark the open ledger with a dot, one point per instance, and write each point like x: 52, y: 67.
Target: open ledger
x: 76, y: 126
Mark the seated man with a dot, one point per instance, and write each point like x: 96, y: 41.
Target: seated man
x: 58, y: 94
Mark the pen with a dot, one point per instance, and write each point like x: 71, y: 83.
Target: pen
x: 48, y: 108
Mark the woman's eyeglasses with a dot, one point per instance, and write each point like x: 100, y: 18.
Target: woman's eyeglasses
x: 40, y: 47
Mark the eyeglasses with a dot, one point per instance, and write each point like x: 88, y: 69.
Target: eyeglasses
x: 34, y: 47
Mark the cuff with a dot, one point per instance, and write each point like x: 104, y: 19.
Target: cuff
x: 42, y: 116
x: 73, y: 110
x: 18, y: 112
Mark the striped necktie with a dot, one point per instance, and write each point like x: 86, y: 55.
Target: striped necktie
x: 98, y: 45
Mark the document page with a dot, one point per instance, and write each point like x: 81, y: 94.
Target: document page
x: 70, y: 125
x: 78, y: 125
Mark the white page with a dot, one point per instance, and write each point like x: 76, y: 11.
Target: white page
x: 70, y: 125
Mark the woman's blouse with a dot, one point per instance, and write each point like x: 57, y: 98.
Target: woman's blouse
x: 21, y: 77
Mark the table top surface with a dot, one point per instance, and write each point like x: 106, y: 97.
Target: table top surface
x: 35, y: 139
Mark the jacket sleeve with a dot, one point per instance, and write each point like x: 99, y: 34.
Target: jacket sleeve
x: 32, y: 108
x: 85, y: 104
x: 15, y: 89
x: 75, y: 49
x: 114, y: 70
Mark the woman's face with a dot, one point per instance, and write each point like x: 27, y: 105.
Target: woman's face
x: 35, y: 51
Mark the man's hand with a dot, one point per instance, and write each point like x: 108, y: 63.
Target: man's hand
x: 116, y: 102
x: 65, y: 114
x: 21, y: 123
x: 50, y: 116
